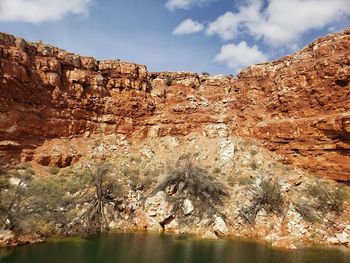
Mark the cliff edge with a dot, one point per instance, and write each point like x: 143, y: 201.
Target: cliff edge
x: 297, y: 106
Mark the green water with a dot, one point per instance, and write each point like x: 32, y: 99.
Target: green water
x: 148, y: 248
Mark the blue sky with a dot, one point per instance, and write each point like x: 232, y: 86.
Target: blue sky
x: 216, y: 36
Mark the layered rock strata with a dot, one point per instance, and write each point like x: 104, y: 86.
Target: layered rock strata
x: 298, y: 106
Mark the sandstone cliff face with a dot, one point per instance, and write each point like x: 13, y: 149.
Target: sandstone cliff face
x: 298, y: 106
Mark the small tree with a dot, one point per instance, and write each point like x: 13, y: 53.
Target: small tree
x: 11, y: 211
x: 106, y: 191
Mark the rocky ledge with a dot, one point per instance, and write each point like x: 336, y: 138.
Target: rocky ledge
x: 209, y: 184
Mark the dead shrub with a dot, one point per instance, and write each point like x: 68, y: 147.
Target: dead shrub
x: 169, y: 80
x: 266, y: 196
x: 187, y: 180
x: 327, y: 197
x: 306, y: 210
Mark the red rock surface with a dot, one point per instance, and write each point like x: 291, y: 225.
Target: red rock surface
x: 297, y: 106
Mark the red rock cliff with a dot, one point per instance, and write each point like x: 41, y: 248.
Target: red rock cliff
x: 297, y: 106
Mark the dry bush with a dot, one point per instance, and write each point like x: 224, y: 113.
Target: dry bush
x: 267, y: 196
x: 169, y: 80
x: 12, y: 209
x: 187, y: 180
x: 327, y: 197
x: 306, y: 210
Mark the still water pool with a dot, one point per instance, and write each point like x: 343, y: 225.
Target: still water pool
x: 149, y: 248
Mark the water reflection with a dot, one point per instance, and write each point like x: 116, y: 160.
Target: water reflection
x: 151, y: 248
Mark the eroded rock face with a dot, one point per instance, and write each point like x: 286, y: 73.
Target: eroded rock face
x: 297, y: 106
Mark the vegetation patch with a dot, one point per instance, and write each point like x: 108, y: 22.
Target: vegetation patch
x: 189, y: 181
x: 266, y: 196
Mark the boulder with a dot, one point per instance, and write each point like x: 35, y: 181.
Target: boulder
x: 6, y: 235
x: 342, y: 238
x: 220, y: 227
x: 157, y: 206
x: 187, y: 207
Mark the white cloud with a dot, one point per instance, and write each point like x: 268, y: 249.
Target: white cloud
x: 280, y: 22
x: 188, y: 26
x: 228, y: 25
x: 239, y: 56
x: 284, y: 21
x: 172, y: 5
x: 36, y: 11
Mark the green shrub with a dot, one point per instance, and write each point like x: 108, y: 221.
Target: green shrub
x: 54, y: 170
x: 327, y: 198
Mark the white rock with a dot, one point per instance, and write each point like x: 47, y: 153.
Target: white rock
x: 220, y: 226
x: 6, y: 235
x: 187, y: 207
x: 261, y: 217
x: 148, y: 152
x: 113, y: 225
x: 227, y: 150
x: 157, y: 206
x: 172, y: 142
x: 209, y: 235
x: 292, y: 223
x: 216, y: 131
x: 342, y: 238
x: 17, y: 182
x: 333, y: 240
